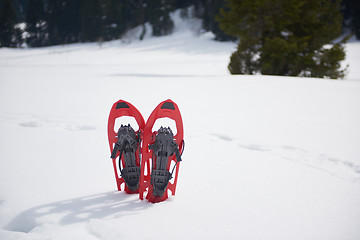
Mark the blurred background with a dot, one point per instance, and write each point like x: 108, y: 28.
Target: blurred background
x: 52, y: 22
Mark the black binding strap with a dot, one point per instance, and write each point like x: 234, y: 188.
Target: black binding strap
x: 119, y: 146
x: 178, y: 156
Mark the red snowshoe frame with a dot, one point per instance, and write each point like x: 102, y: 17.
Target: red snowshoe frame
x: 119, y: 109
x: 166, y: 109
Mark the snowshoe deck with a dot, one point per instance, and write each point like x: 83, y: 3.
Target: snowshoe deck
x: 160, y: 150
x: 125, y: 145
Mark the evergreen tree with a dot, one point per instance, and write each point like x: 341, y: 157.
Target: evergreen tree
x: 9, y: 36
x: 112, y: 19
x: 285, y: 37
x: 63, y: 18
x: 52, y: 15
x: 69, y: 23
x: 91, y: 20
x: 351, y: 12
x: 36, y: 25
x: 158, y: 12
x: 206, y: 11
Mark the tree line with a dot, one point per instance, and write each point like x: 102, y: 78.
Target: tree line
x: 286, y: 37
x: 276, y: 37
x: 52, y: 22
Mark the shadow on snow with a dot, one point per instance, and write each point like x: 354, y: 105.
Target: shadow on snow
x: 103, y: 205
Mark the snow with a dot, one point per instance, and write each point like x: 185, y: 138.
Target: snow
x: 266, y: 157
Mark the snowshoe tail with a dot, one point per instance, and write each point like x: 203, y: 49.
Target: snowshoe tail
x: 160, y: 150
x: 125, y: 145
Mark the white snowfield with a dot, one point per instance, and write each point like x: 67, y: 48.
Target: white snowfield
x: 266, y: 157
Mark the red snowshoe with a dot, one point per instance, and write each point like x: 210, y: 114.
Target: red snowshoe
x: 125, y: 145
x: 161, y: 153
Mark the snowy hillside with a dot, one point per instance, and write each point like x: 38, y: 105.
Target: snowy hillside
x: 266, y: 157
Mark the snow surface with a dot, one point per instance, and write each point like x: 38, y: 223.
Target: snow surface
x: 266, y: 157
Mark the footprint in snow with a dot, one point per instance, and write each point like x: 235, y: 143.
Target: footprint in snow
x: 322, y: 162
x: 253, y: 147
x: 32, y: 124
x: 222, y: 137
x: 80, y: 127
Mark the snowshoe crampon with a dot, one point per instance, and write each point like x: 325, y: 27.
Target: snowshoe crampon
x: 161, y: 154
x: 125, y: 145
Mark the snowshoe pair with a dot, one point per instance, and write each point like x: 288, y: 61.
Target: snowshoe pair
x: 146, y: 159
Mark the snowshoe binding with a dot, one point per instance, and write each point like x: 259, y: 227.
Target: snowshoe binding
x: 128, y: 144
x: 163, y: 147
